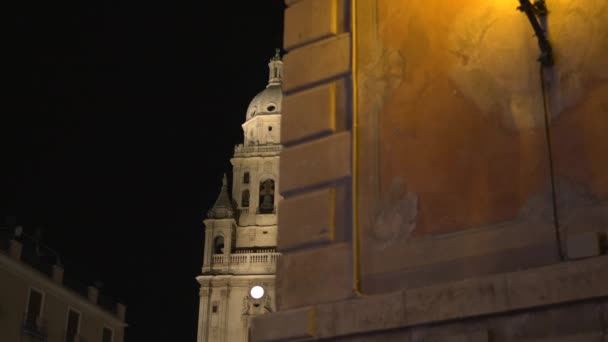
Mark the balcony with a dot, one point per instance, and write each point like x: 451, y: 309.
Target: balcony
x: 243, y: 263
x: 256, y: 150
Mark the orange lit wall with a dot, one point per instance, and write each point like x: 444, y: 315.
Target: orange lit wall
x: 453, y: 155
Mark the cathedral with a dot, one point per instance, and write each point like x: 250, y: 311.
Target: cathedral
x: 239, y: 261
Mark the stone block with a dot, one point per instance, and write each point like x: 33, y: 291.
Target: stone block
x: 591, y: 337
x: 364, y: 314
x: 306, y: 219
x: 284, y: 325
x: 291, y: 2
x: 478, y: 336
x: 568, y: 281
x: 317, y: 62
x: 314, y: 112
x: 317, y: 162
x: 565, y: 319
x: 309, y: 20
x: 456, y: 300
x: 583, y: 245
x: 314, y: 276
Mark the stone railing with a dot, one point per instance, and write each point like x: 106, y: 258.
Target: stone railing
x: 244, y: 262
x: 241, y: 150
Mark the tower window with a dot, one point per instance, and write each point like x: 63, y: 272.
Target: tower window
x: 214, y: 308
x: 271, y: 108
x: 245, y: 199
x: 267, y: 197
x: 269, y: 128
x: 218, y: 245
x: 246, y: 178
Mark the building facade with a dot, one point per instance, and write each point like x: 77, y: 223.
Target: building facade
x: 439, y: 183
x: 239, y: 262
x: 36, y: 304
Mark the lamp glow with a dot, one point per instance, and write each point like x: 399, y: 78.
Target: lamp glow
x: 256, y: 292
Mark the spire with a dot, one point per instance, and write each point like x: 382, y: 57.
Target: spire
x: 277, y: 55
x: 276, y: 68
x: 223, y: 206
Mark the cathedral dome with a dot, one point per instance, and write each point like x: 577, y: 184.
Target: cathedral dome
x: 269, y: 100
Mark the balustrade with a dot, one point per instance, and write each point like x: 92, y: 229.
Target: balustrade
x: 243, y: 261
x: 241, y: 149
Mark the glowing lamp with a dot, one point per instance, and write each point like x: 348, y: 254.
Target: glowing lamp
x: 256, y: 292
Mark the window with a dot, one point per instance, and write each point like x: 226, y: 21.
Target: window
x: 107, y: 335
x: 245, y: 199
x: 34, y: 309
x: 214, y: 308
x: 218, y: 245
x: 266, y: 197
x: 72, y: 325
x: 269, y: 128
x: 271, y: 108
x: 246, y: 178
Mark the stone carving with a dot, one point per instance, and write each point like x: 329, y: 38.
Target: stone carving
x: 394, y: 219
x: 255, y: 307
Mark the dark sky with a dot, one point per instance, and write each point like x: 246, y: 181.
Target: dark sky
x: 120, y: 121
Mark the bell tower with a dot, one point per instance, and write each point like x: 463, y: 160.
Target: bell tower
x: 240, y: 257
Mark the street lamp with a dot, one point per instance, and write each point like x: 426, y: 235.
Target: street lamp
x: 533, y: 11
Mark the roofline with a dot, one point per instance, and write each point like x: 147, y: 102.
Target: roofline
x: 27, y: 272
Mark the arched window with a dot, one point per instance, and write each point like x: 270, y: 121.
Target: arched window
x: 246, y: 178
x: 218, y: 245
x: 245, y: 199
x: 266, y: 197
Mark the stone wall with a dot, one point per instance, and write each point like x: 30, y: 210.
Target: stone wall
x: 452, y: 129
x: 16, y: 280
x: 316, y: 165
x: 438, y: 183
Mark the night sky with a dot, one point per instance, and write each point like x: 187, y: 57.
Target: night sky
x: 120, y: 120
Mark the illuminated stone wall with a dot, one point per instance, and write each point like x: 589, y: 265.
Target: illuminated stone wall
x: 453, y: 137
x: 438, y: 186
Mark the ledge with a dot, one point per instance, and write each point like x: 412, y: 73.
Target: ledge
x: 556, y: 284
